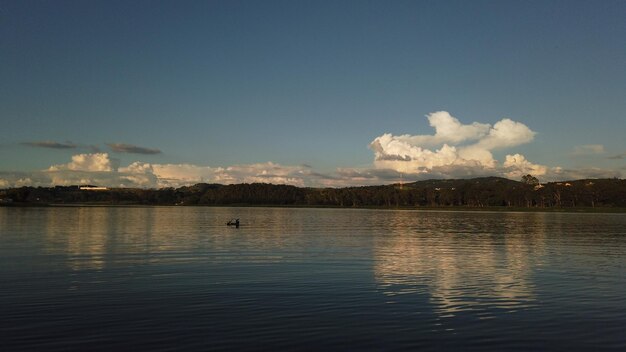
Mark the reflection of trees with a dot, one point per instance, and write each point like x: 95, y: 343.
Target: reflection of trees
x: 79, y: 233
x: 89, y: 236
x: 463, y: 261
x: 96, y: 237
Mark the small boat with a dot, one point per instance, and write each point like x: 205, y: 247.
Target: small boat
x: 234, y: 222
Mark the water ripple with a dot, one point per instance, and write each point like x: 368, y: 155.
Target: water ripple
x: 176, y: 278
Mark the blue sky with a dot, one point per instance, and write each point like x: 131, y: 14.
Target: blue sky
x: 151, y: 93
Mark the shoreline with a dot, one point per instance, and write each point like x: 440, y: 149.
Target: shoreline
x: 611, y: 210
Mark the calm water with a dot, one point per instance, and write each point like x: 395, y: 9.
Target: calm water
x: 176, y: 278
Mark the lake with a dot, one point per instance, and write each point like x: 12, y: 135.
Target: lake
x: 177, y: 278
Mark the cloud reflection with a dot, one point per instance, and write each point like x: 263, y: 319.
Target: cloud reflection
x: 462, y: 261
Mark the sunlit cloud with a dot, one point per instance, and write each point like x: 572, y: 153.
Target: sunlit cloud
x: 458, y: 150
x: 19, y: 179
x: 50, y: 144
x: 88, y: 162
x: 132, y: 149
x: 455, y: 149
x: 99, y: 169
x: 175, y: 175
x: 448, y: 129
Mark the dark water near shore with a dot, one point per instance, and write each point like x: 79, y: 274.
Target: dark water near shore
x: 176, y: 278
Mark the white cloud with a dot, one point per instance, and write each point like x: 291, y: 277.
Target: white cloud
x: 517, y: 166
x: 175, y: 175
x: 88, y: 162
x: 137, y: 167
x: 448, y: 129
x: 455, y: 150
x: 27, y: 181
x: 267, y: 173
x: 395, y: 154
x: 99, y: 169
x: 454, y: 147
x: 506, y: 133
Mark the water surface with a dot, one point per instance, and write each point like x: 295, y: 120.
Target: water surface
x: 177, y: 278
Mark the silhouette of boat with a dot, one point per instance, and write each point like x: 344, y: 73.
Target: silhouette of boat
x: 234, y: 222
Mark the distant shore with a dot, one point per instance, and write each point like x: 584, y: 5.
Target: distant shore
x: 423, y: 208
x: 477, y: 194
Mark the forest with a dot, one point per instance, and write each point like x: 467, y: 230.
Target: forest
x: 476, y: 192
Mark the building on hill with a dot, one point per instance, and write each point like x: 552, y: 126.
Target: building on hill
x: 92, y: 188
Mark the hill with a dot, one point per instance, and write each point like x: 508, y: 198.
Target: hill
x: 476, y: 192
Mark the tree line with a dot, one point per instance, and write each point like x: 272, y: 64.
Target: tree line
x: 477, y: 192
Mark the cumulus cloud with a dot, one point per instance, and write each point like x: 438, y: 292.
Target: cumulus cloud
x: 137, y: 167
x: 517, y: 166
x: 506, y: 133
x: 174, y: 175
x: 88, y: 162
x: 133, y: 149
x: 265, y: 172
x: 95, y: 169
x: 146, y: 175
x: 455, y: 149
x: 18, y: 179
x: 99, y: 169
x: 99, y: 178
x: 448, y: 129
x: 51, y: 144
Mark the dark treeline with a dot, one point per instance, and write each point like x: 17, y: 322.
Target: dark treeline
x: 478, y: 192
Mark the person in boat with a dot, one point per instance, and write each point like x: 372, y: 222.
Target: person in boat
x: 233, y: 223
